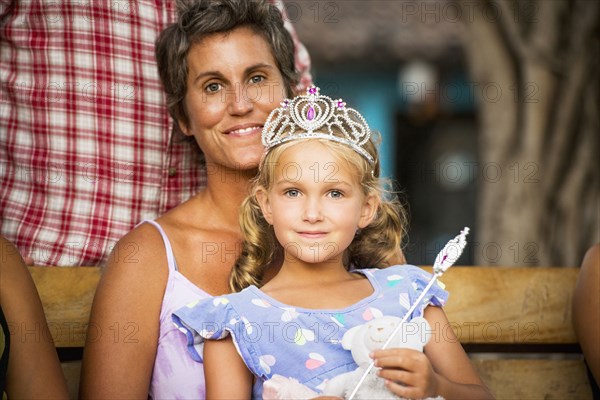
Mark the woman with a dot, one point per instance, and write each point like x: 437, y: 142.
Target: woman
x: 225, y: 65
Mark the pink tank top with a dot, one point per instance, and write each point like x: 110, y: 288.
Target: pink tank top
x: 175, y: 374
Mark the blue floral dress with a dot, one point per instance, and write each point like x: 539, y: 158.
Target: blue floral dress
x: 304, y: 344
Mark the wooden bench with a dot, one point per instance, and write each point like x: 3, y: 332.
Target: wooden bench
x: 515, y: 323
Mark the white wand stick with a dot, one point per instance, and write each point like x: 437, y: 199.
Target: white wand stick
x: 444, y: 260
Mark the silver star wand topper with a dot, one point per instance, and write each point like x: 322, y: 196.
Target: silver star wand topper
x: 444, y: 260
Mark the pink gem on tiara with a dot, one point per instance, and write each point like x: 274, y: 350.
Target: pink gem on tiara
x: 341, y: 104
x: 310, y: 115
x: 313, y: 90
x: 285, y: 103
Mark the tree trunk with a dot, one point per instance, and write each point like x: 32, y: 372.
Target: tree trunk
x: 535, y: 64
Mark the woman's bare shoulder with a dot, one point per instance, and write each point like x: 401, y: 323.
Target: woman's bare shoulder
x: 138, y: 260
x: 128, y: 303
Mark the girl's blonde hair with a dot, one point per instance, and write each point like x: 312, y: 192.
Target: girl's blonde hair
x: 373, y: 246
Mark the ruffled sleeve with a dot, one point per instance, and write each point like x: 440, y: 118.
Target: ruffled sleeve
x: 418, y: 279
x: 211, y: 319
x: 436, y: 295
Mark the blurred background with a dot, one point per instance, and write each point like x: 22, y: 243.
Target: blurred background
x: 488, y: 112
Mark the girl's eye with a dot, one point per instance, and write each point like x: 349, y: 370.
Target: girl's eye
x: 212, y: 87
x: 336, y: 194
x: 292, y: 193
x: 257, y: 79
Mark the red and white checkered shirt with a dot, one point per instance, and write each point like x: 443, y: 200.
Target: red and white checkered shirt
x: 87, y: 148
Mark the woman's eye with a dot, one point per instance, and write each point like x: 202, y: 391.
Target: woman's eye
x: 257, y: 79
x: 336, y: 194
x: 292, y: 193
x: 213, y: 87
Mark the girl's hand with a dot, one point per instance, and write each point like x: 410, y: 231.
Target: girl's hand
x: 408, y: 373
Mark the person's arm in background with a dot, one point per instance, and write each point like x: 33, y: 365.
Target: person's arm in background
x: 586, y: 309
x: 34, y: 371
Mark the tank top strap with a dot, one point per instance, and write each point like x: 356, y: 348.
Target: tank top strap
x: 170, y: 256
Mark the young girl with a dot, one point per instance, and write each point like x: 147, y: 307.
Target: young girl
x: 317, y: 206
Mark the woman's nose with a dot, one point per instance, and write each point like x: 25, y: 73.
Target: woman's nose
x: 240, y: 102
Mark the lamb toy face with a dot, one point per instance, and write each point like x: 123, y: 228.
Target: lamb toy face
x: 363, y: 339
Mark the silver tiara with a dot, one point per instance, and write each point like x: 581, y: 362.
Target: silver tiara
x: 315, y: 117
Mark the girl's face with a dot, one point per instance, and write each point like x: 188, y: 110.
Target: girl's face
x: 233, y: 85
x: 316, y: 204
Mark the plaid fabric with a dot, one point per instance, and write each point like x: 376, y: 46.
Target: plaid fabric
x: 87, y: 148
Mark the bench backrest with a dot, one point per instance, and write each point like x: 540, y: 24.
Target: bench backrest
x: 515, y: 323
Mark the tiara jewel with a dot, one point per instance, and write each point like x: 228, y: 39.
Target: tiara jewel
x: 314, y: 116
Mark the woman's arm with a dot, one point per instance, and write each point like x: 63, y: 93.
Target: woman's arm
x: 586, y: 309
x: 123, y: 332
x: 227, y: 377
x: 442, y: 370
x: 33, y: 368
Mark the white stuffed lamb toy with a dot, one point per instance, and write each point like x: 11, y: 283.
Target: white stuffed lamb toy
x: 360, y: 340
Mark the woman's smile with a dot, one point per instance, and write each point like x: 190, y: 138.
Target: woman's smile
x: 245, y: 130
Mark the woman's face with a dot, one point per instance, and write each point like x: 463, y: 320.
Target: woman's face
x: 233, y: 84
